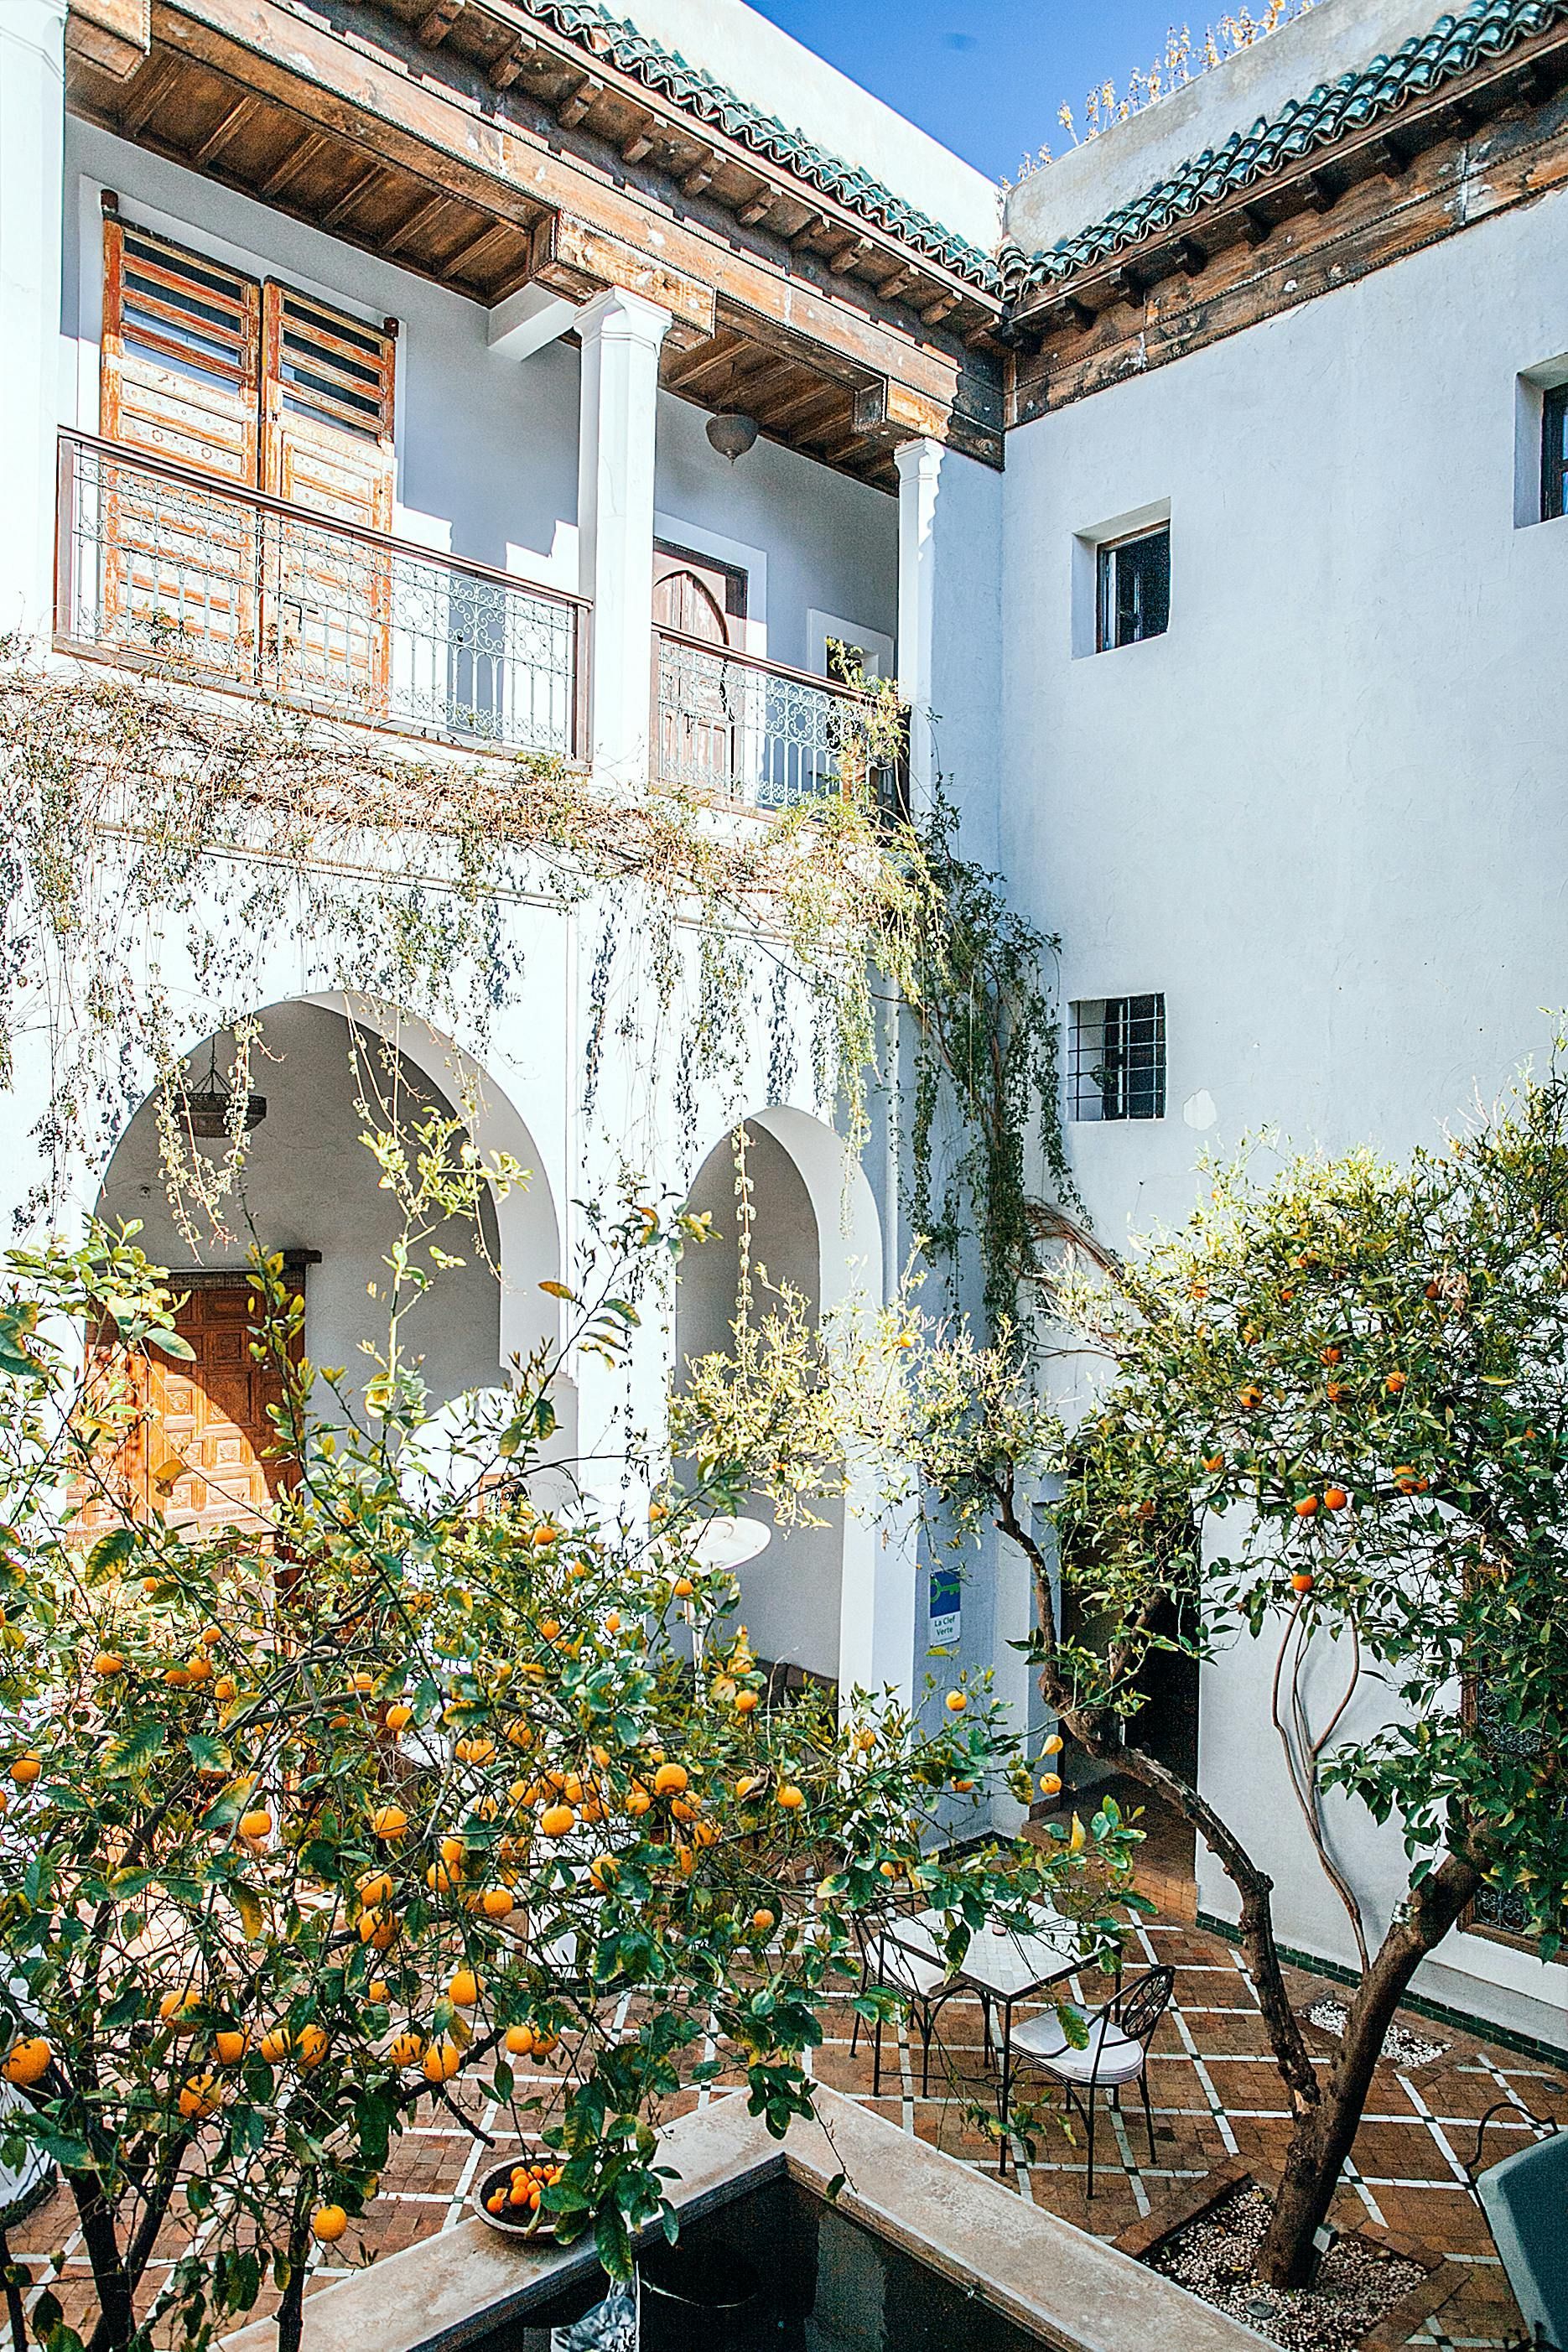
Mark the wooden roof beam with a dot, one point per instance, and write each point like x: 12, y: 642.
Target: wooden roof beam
x: 310, y: 146
x: 433, y: 28
x: 589, y: 90
x: 850, y: 256
x: 708, y: 360
x: 756, y: 208
x: 806, y: 407
x: 638, y: 144
x: 423, y: 214
x: 229, y: 125
x: 340, y: 207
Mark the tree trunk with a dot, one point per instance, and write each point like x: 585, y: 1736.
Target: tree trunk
x: 14, y: 2310
x: 116, y: 2303
x: 1325, y: 2135
x: 292, y: 2310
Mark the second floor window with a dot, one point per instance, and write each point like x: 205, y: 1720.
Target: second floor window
x: 1134, y: 589
x: 1555, y: 452
x: 1117, y: 1065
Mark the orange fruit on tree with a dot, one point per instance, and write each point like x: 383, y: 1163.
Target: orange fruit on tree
x: 1050, y: 1784
x: 378, y: 1930
x: 1053, y: 1745
x: 309, y: 2046
x: 638, y: 1799
x: 441, y: 2062
x: 463, y: 1992
x: 603, y: 1871
x: 400, y: 1717
x: 439, y: 1879
x: 682, y: 1588
x: 1307, y: 1509
x: 328, y: 2223
x: 28, y: 2061
x: 175, y: 2009
x: 1334, y: 1499
x: 520, y: 2041
x: 230, y: 2043
x: 376, y: 1888
x: 669, y: 1779
x: 256, y: 1823
x: 556, y: 1820
x: 388, y: 1822
x: 763, y: 1921
x: 275, y: 2045
x: 26, y: 1769
x: 198, y: 2098
x: 406, y: 2048
x: 1395, y: 1383
x: 225, y: 1689
x: 496, y: 1902
x: 210, y: 1636
x: 791, y: 1798
x: 108, y: 1663
x: 957, y: 1701
x: 454, y: 1853
x: 1303, y: 1582
x: 378, y: 1990
x: 198, y: 1669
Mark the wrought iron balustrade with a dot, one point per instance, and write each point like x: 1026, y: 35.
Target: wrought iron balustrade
x: 158, y: 566
x: 735, y: 728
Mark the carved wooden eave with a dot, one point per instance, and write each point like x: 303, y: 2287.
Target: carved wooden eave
x: 386, y: 124
x: 1496, y: 140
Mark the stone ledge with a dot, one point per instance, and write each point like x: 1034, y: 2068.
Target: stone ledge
x: 1071, y: 2289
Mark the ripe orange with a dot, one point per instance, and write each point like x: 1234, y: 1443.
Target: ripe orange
x: 669, y: 1779
x: 763, y: 1921
x: 199, y: 2099
x: 1307, y: 1509
x: 682, y: 1588
x: 388, y: 1821
x: 174, y: 2010
x: 791, y: 1798
x: 198, y: 1669
x: 328, y: 2223
x: 519, y: 2039
x: 25, y: 1770
x: 1250, y: 1399
x: 309, y: 2046
x: 1334, y: 1499
x: 399, y: 1717
x: 225, y: 1689
x: 441, y: 2062
x: 379, y: 1929
x: 463, y: 1992
x: 256, y: 1823
x: 275, y: 2045
x: 496, y: 1902
x: 638, y: 1799
x: 1301, y: 1583
x: 1053, y: 1745
x: 454, y: 1853
x: 27, y: 2063
x: 406, y: 2048
x: 230, y: 2045
x: 1395, y: 1383
x: 550, y: 1628
x: 363, y: 1683
x: 376, y: 1886
x: 745, y: 1702
x: 378, y: 1990
x: 602, y: 1870
x: 108, y: 1663
x: 439, y: 1879
x: 1050, y: 1784
x: 211, y: 1635
x: 956, y: 1702
x: 556, y: 1820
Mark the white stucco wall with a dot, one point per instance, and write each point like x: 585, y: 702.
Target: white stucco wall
x: 755, y: 59
x: 1086, y: 182
x: 1324, y: 812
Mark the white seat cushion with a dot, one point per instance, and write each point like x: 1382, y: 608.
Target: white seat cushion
x: 1042, y: 2041
x: 909, y: 1972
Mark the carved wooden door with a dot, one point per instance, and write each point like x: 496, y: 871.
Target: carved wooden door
x: 701, y: 694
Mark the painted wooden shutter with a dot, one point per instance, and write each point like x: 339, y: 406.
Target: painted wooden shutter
x: 326, y: 444
x: 180, y: 381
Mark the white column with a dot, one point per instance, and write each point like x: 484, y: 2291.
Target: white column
x: 919, y: 470
x: 32, y: 135
x: 621, y: 337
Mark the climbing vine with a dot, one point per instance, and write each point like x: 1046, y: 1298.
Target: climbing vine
x: 165, y: 845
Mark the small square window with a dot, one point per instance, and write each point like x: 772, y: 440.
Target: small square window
x: 1555, y: 452
x: 1134, y: 600
x: 1116, y: 1067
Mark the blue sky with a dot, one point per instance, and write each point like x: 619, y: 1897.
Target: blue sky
x: 987, y: 77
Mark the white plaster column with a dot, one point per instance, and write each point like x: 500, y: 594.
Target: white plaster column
x: 621, y: 337
x: 32, y: 135
x: 920, y: 471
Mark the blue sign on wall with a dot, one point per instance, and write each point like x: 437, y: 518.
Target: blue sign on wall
x: 944, y: 1608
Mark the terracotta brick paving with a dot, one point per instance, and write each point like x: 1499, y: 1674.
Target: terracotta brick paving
x: 1214, y: 2096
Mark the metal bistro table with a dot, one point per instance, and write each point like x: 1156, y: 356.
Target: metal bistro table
x: 1001, y: 1967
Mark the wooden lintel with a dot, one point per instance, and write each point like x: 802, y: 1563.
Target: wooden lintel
x: 228, y: 126
x: 295, y: 161
x: 482, y: 156
x: 1083, y: 314
x: 1127, y: 285
x: 111, y: 36
x: 433, y: 28
x: 894, y: 289
x: 849, y: 256
x: 571, y: 257
x: 572, y: 111
x: 808, y: 228
x: 1391, y: 156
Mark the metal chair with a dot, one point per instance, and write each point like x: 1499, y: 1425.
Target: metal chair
x: 1120, y: 2032
x: 1524, y: 2198
x: 927, y: 1986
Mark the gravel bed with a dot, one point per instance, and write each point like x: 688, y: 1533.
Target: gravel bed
x: 1356, y: 2285
x: 1400, y: 2047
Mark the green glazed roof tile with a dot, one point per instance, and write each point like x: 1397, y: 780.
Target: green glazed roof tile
x: 698, y: 93
x: 1457, y: 43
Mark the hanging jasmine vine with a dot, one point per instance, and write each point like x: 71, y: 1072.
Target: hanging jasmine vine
x: 165, y: 841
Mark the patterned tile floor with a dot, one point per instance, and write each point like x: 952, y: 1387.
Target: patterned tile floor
x: 1214, y: 2096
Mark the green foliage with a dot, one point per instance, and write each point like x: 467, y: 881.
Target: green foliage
x: 412, y: 1782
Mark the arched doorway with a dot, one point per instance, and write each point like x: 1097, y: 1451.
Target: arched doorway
x: 834, y: 1601
x: 309, y: 1188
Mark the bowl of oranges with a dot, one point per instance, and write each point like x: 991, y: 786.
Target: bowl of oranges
x: 508, y: 2197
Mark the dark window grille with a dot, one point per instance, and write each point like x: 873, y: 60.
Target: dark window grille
x: 1118, y: 1060
x: 1135, y: 588
x: 1555, y: 452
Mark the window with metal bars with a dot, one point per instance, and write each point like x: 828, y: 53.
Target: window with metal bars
x: 1555, y: 452
x: 1117, y: 1061
x: 1134, y: 588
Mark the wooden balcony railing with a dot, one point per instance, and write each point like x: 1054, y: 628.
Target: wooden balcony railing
x: 160, y: 566
x: 753, y: 732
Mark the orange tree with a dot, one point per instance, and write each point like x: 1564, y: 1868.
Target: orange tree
x: 406, y: 1793
x: 1331, y: 1414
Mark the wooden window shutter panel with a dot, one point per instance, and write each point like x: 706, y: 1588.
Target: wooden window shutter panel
x: 180, y: 366
x: 327, y: 410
